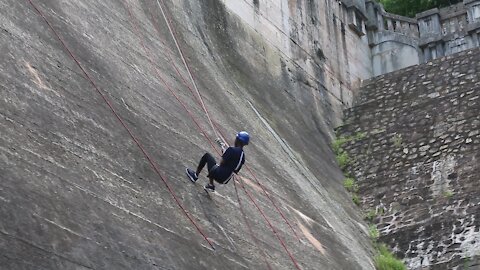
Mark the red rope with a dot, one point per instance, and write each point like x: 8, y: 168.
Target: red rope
x: 148, y: 52
x: 160, y: 77
x: 200, y: 128
x: 267, y: 195
x: 168, y: 21
x: 199, y: 101
x: 137, y: 142
x: 172, y: 31
x: 270, y: 225
x: 248, y: 225
x: 208, y: 138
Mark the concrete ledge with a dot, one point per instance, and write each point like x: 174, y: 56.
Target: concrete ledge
x: 473, y: 27
x: 427, y: 13
x: 358, y: 4
x: 399, y: 18
x: 453, y: 36
x: 429, y: 39
x: 468, y: 2
x: 390, y: 36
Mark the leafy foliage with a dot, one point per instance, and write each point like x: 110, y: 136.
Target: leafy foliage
x: 387, y: 261
x: 373, y: 232
x: 343, y: 160
x: 338, y: 143
x: 356, y: 199
x: 448, y: 194
x: 370, y: 215
x: 350, y: 185
x: 397, y: 140
x: 411, y: 7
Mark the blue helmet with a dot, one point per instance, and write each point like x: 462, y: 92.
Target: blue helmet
x: 243, y: 137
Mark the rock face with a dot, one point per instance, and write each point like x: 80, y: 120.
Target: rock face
x: 76, y: 192
x: 417, y: 161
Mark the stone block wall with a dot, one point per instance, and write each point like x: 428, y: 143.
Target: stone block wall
x: 417, y: 164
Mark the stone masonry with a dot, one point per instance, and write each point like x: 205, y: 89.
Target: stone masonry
x: 416, y: 160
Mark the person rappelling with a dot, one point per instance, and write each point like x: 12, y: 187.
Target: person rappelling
x: 232, y: 160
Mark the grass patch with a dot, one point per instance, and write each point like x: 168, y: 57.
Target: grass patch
x: 338, y: 144
x: 370, y: 215
x: 373, y: 232
x: 341, y: 155
x: 466, y: 263
x: 356, y: 199
x: 385, y: 260
x: 360, y: 135
x: 397, y: 140
x: 448, y: 194
x: 350, y: 185
x: 343, y: 160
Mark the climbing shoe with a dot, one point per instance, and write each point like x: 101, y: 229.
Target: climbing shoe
x: 209, y: 188
x: 192, y: 175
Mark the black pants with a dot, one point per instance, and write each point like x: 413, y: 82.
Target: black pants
x: 211, y: 163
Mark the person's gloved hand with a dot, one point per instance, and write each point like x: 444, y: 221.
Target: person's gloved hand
x: 220, y: 143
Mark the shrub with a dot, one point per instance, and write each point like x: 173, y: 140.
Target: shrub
x: 356, y: 199
x: 373, y: 232
x: 350, y: 185
x: 343, y: 160
x: 370, y: 215
x: 338, y: 144
x: 466, y: 263
x: 360, y: 135
x: 397, y: 140
x: 385, y: 260
x: 448, y: 194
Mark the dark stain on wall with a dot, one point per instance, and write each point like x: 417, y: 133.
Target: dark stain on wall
x: 256, y: 4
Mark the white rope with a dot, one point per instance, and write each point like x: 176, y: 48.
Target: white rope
x: 186, y: 66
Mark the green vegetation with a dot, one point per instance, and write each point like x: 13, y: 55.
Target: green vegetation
x: 341, y: 155
x: 373, y: 232
x: 360, y: 135
x: 410, y: 8
x: 397, y: 140
x: 338, y: 144
x: 343, y: 160
x: 448, y: 194
x: 370, y: 215
x: 356, y: 199
x: 466, y: 263
x: 385, y: 260
x: 350, y: 185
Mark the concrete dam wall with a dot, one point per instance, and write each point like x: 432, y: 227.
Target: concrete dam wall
x: 99, y: 117
x: 417, y: 161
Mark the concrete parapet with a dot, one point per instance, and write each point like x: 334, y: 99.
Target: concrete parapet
x: 437, y: 32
